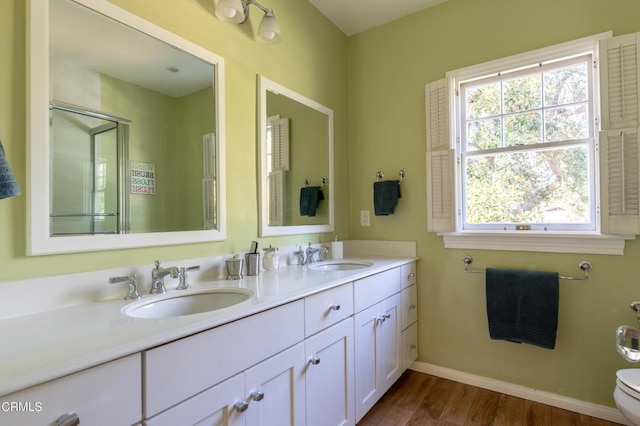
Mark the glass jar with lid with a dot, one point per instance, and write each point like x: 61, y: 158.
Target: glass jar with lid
x: 270, y: 258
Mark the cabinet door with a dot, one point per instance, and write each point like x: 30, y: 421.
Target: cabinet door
x: 409, y: 345
x: 275, y: 389
x: 409, y: 306
x: 378, y: 351
x: 329, y: 376
x: 213, y: 407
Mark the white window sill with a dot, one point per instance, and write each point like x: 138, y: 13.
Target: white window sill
x: 538, y: 242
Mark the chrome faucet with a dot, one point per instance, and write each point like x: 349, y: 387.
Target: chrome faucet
x: 157, y: 277
x: 301, y: 256
x: 311, y: 252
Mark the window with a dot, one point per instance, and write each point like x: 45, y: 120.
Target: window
x: 515, y: 156
x: 526, y: 151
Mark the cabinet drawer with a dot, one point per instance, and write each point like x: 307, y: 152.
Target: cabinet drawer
x: 409, y: 306
x: 178, y: 370
x: 109, y: 394
x: 327, y: 308
x: 408, y: 274
x: 409, y: 345
x: 214, y: 406
x: 370, y: 290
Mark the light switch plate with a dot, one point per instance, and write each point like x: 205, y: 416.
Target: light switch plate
x: 365, y: 218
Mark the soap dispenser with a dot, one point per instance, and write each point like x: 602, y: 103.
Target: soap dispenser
x: 270, y: 259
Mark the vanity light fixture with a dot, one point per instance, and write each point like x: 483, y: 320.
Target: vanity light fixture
x: 237, y: 12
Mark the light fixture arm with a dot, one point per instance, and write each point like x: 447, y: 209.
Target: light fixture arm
x: 247, y: 3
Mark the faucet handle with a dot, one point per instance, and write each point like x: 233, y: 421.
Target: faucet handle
x: 184, y: 280
x: 133, y: 285
x: 157, y: 262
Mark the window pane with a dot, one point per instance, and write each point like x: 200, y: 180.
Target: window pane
x: 484, y: 134
x: 565, y: 123
x: 522, y: 93
x: 523, y: 129
x: 483, y: 101
x: 566, y: 85
x: 538, y: 187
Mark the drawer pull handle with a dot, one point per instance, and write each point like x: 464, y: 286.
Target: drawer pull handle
x: 68, y: 419
x: 334, y: 307
x: 412, y: 307
x: 413, y: 346
x: 411, y: 275
x: 242, y: 406
x: 314, y: 360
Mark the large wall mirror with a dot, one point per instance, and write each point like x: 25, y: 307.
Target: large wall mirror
x: 126, y: 132
x: 296, y: 162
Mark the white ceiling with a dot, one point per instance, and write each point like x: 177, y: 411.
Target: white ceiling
x: 354, y: 16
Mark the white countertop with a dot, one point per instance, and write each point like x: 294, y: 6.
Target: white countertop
x: 43, y: 346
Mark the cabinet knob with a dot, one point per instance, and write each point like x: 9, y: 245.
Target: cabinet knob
x: 383, y: 317
x: 413, y: 346
x: 334, y: 307
x: 68, y: 419
x: 411, y: 275
x: 257, y: 395
x: 412, y: 307
x: 314, y: 360
x: 241, y: 406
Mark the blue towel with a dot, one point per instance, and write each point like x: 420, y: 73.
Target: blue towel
x: 310, y: 197
x: 8, y: 185
x: 522, y: 306
x: 385, y: 197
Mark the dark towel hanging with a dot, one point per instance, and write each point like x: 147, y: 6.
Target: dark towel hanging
x: 522, y: 306
x: 385, y: 197
x: 310, y: 197
x: 8, y: 184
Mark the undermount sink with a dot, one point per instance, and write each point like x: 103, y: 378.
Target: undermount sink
x: 340, y: 265
x: 187, y: 303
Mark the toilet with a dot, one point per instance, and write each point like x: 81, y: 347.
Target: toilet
x: 627, y: 394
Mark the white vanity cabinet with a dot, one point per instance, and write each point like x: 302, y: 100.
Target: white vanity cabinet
x: 377, y: 337
x: 108, y: 394
x: 176, y: 371
x: 329, y: 373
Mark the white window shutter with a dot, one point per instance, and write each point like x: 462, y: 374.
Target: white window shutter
x: 619, y: 81
x: 280, y: 143
x: 620, y: 181
x: 276, y: 198
x: 440, y: 160
x: 619, y: 144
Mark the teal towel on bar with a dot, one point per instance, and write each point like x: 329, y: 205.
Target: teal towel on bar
x: 310, y: 197
x: 385, y: 197
x: 522, y: 306
x: 8, y: 184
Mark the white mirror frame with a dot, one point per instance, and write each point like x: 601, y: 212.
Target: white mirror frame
x: 39, y: 241
x: 265, y: 85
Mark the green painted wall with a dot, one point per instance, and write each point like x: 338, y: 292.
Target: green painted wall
x: 312, y: 60
x: 388, y: 68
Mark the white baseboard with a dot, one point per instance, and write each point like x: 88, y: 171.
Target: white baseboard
x: 566, y: 403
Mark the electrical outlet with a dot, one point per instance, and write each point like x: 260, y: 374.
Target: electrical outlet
x: 365, y: 218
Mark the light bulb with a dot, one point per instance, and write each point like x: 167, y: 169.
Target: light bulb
x: 269, y: 35
x: 229, y: 12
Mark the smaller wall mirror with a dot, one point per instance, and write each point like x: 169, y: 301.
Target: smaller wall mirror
x: 296, y: 162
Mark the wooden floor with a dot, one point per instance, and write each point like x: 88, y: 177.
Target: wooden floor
x: 421, y: 399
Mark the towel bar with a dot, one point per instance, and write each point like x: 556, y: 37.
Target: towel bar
x: 585, y: 266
